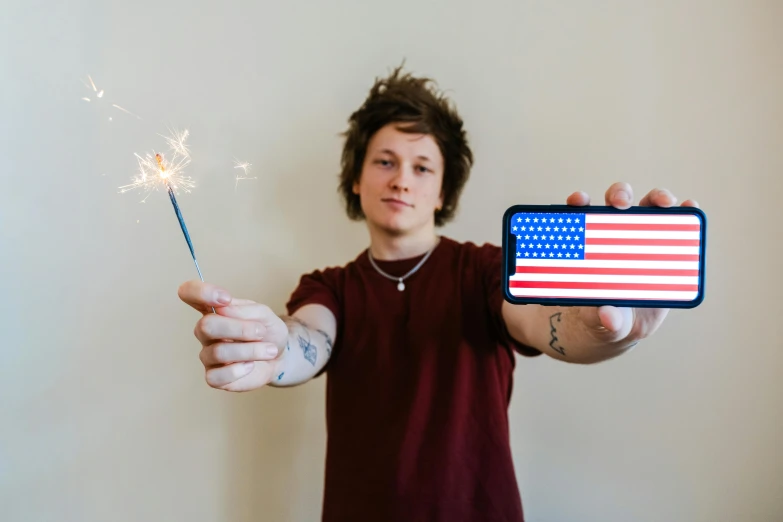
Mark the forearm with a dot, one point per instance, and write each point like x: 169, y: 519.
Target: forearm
x: 307, y: 351
x: 563, y: 333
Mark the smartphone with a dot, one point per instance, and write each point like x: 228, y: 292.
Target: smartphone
x: 592, y: 256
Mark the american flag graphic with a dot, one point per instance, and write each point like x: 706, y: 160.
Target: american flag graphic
x: 606, y: 255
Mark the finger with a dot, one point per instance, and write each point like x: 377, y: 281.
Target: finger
x: 578, y: 198
x: 220, y: 354
x: 607, y: 319
x: 249, y: 312
x: 690, y: 203
x: 213, y: 327
x: 658, y: 198
x: 224, y: 375
x: 619, y: 195
x: 201, y: 295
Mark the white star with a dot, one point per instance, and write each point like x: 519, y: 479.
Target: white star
x: 519, y: 219
x: 551, y: 254
x: 568, y: 255
x: 527, y: 220
x: 548, y: 229
x: 576, y: 255
x: 519, y: 237
x: 580, y: 247
x: 559, y: 254
x: 552, y: 220
x: 551, y: 238
x: 581, y: 229
x: 564, y: 246
x: 538, y: 245
x: 568, y: 220
x: 572, y: 247
x: 560, y: 220
x: 573, y: 229
x: 557, y: 246
x: 568, y: 238
x: 540, y: 229
x: 557, y: 229
x: 559, y: 238
x: 514, y: 229
x: 535, y: 237
x: 530, y: 245
x: 535, y: 220
x: 518, y: 254
x: 576, y: 220
x: 576, y: 238
x: 535, y: 254
x: 547, y: 245
x: 527, y: 237
x: 527, y: 254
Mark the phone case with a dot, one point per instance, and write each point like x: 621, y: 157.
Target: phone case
x: 562, y: 255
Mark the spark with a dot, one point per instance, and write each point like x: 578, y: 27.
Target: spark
x: 245, y: 166
x: 157, y: 172
x: 125, y: 110
x: 100, y: 93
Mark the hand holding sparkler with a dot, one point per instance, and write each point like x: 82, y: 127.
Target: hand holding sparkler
x: 241, y: 344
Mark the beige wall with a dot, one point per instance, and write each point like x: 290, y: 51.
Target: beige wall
x: 104, y: 411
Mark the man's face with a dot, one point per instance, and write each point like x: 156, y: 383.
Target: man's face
x: 400, y: 184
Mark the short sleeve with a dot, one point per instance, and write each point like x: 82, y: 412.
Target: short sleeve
x: 491, y: 257
x: 320, y: 287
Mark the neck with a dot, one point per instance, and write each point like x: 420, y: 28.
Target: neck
x: 387, y: 247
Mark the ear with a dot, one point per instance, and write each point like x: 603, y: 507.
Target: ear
x: 356, y: 187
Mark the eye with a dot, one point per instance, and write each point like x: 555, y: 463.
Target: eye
x: 382, y: 162
x: 423, y: 169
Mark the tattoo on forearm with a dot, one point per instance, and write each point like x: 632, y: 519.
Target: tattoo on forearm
x: 328, y: 342
x: 554, y: 343
x: 280, y: 376
x: 309, y: 350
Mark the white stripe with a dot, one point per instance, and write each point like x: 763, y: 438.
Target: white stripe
x: 636, y: 249
x: 597, y: 263
x: 627, y: 294
x: 604, y: 278
x: 642, y: 234
x: 678, y: 219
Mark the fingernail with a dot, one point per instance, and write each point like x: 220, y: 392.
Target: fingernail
x: 621, y: 194
x: 223, y: 297
x: 272, y: 350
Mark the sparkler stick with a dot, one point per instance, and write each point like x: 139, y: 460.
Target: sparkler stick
x: 156, y: 173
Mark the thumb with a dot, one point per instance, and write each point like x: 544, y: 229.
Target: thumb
x: 608, y: 320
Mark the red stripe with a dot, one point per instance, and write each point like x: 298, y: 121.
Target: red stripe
x: 640, y: 241
x: 604, y: 271
x: 603, y: 286
x: 642, y: 257
x: 637, y: 298
x: 640, y: 226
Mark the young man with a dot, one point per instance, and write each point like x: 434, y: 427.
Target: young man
x: 415, y: 338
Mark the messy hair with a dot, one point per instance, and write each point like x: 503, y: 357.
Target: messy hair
x: 418, y: 107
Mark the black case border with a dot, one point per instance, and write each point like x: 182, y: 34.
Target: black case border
x: 510, y: 258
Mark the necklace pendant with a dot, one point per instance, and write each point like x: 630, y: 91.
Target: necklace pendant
x: 400, y: 286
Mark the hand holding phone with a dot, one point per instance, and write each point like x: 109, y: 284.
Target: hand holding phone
x: 646, y: 256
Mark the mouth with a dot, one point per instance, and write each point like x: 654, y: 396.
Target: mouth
x: 396, y: 202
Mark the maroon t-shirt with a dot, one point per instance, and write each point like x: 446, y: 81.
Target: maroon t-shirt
x: 418, y: 388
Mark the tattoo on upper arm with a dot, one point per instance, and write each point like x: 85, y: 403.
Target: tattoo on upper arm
x: 554, y: 343
x: 328, y: 342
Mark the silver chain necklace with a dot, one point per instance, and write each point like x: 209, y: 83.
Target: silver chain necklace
x: 400, y: 284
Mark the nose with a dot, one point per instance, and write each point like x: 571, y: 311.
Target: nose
x: 401, y: 181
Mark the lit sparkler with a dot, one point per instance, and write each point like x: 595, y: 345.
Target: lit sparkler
x: 155, y: 172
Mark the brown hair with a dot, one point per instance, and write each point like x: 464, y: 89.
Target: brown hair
x: 419, y: 108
